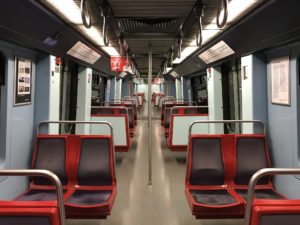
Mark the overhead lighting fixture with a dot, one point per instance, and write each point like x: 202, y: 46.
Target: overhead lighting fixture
x: 207, y: 35
x: 185, y: 53
x: 236, y: 9
x: 68, y: 9
x: 168, y: 69
x: 111, y: 51
x: 93, y: 34
x: 71, y: 13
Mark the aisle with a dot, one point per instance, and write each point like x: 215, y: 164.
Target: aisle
x: 164, y: 202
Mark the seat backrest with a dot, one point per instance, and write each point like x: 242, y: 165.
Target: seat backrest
x: 50, y: 154
x: 95, y: 160
x: 130, y: 116
x: 251, y: 156
x: 28, y: 220
x: 167, y: 117
x: 33, y: 215
x: 190, y: 111
x: 207, y: 161
x: 275, y: 215
x: 104, y: 111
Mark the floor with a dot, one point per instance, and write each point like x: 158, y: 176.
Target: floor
x: 164, y: 202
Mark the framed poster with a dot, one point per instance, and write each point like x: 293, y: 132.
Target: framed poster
x: 280, y: 81
x: 22, y: 86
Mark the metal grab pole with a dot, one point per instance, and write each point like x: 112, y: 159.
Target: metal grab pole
x: 150, y: 117
x: 43, y: 173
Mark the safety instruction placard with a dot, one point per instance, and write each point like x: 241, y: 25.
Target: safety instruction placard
x: 280, y: 80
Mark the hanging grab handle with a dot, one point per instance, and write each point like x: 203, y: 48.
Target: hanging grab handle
x: 85, y: 14
x: 104, y: 32
x: 199, y: 38
x: 222, y: 6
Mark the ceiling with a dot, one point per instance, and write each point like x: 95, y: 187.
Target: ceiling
x: 155, y: 23
x: 145, y: 23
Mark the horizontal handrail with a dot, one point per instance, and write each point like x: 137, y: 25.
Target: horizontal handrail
x: 227, y: 121
x: 255, y: 178
x: 74, y: 122
x: 179, y: 101
x: 43, y: 173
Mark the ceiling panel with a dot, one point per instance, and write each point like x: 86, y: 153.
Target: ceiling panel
x: 151, y: 22
x: 152, y: 9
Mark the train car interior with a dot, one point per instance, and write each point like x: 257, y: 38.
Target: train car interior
x: 149, y: 112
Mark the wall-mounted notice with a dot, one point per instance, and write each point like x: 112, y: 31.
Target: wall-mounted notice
x: 22, y: 86
x: 280, y: 80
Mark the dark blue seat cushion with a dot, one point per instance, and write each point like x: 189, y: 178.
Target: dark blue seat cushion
x: 213, y: 197
x: 25, y: 220
x: 260, y: 194
x: 89, y: 197
x: 38, y: 195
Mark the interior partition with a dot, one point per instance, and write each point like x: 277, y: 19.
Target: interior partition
x: 17, y: 122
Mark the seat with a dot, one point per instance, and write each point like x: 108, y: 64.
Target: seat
x: 34, y: 211
x: 131, y: 122
x: 15, y: 214
x: 207, y: 192
x: 95, y: 185
x: 167, y: 120
x: 119, y: 120
x: 287, y: 213
x: 181, y: 117
x: 251, y: 155
x: 50, y: 154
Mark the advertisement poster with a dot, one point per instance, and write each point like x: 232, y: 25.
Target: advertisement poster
x: 23, y: 73
x: 280, y: 80
x: 118, y: 63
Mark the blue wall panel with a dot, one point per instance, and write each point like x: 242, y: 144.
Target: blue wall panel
x: 17, y: 124
x: 43, y: 91
x: 172, y: 88
x: 283, y: 122
x: 186, y: 88
x: 125, y: 89
x: 260, y: 91
x: 112, y: 88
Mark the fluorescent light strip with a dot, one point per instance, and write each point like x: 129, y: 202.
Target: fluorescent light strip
x: 111, y: 51
x: 168, y: 69
x: 235, y: 9
x: 68, y: 9
x: 71, y: 13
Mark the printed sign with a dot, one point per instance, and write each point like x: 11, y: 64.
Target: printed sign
x: 23, y: 75
x: 118, y: 64
x: 280, y: 80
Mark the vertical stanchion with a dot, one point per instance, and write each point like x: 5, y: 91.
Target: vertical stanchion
x: 150, y: 117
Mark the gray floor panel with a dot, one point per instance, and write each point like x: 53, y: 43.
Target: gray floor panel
x: 164, y: 202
